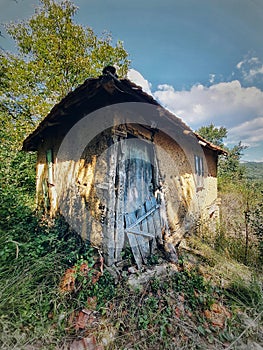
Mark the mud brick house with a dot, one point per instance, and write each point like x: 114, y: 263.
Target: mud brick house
x: 123, y: 170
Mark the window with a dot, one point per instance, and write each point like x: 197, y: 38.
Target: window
x: 199, y: 171
x: 49, y: 156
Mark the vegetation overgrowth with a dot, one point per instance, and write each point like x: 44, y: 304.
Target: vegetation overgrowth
x: 55, y: 292
x: 50, y: 278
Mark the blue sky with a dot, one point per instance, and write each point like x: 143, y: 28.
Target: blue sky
x: 202, y: 59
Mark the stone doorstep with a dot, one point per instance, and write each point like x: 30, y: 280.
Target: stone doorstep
x: 136, y: 281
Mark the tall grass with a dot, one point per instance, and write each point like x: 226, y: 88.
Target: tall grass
x: 28, y: 295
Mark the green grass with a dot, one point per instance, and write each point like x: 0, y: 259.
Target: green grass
x: 28, y: 293
x: 168, y: 312
x: 33, y: 309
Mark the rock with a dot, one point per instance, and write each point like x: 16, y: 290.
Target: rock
x: 132, y: 270
x: 160, y: 271
x: 88, y: 343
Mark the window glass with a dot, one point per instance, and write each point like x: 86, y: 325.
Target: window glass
x: 49, y: 156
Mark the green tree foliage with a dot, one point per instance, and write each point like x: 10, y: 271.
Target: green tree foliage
x: 213, y: 134
x: 245, y: 219
x: 229, y: 165
x: 54, y: 56
x: 254, y: 170
x: 255, y: 217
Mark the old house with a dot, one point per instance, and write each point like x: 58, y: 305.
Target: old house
x: 123, y: 170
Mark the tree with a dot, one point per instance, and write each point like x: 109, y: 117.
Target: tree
x: 54, y: 56
x: 255, y: 218
x: 229, y: 165
x: 213, y: 134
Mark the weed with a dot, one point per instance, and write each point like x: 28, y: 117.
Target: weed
x: 249, y: 296
x: 164, y: 314
x: 152, y: 260
x: 127, y: 256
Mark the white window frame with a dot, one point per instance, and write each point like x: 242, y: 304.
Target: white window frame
x: 49, y: 157
x: 199, y: 171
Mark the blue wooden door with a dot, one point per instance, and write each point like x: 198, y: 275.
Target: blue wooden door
x: 138, y: 220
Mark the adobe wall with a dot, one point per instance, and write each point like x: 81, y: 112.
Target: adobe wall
x: 178, y: 183
x: 81, y: 188
x: 74, y: 191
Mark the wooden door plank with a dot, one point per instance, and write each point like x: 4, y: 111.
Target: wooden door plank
x: 144, y: 228
x: 108, y: 228
x: 156, y: 173
x: 131, y: 219
x: 140, y: 233
x: 150, y: 223
x: 135, y: 249
x: 143, y: 224
x: 157, y: 221
x: 141, y: 241
x: 133, y: 242
x: 144, y: 216
x: 132, y: 202
x: 120, y: 206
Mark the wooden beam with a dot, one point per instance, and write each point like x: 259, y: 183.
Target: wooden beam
x: 149, y: 212
x: 140, y: 233
x: 119, y: 207
x: 108, y: 229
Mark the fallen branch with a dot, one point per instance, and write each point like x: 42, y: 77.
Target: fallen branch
x: 17, y: 246
x: 244, y: 331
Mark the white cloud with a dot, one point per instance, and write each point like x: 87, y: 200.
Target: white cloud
x: 251, y: 68
x: 247, y: 60
x: 166, y: 87
x: 256, y: 71
x: 138, y: 79
x: 225, y: 104
x: 229, y: 104
x: 212, y: 78
x: 250, y: 132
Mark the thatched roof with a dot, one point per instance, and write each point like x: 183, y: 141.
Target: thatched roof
x: 93, y: 94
